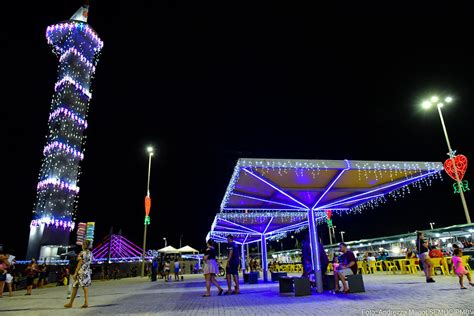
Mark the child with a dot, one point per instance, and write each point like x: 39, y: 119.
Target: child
x: 459, y: 268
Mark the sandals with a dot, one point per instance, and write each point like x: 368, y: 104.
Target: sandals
x: 84, y: 306
x: 464, y: 288
x: 220, y: 292
x: 67, y: 305
x: 206, y: 295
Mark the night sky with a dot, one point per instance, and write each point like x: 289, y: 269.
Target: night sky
x: 209, y: 82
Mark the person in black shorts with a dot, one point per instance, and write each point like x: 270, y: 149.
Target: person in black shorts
x: 232, y: 267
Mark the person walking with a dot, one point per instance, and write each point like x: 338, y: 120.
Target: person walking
x: 42, y: 276
x: 232, y: 267
x: 167, y: 270
x: 211, y: 268
x: 176, y: 269
x: 460, y: 270
x: 30, y: 271
x: 82, y: 275
x: 423, y: 255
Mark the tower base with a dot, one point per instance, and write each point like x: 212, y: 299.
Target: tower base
x: 48, y: 237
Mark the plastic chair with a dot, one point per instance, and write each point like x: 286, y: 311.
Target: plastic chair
x: 379, y: 265
x: 438, y: 263
x: 465, y: 262
x: 416, y: 264
x: 361, y: 267
x: 330, y: 268
x: 390, y: 266
x: 408, y: 267
x: 372, y: 267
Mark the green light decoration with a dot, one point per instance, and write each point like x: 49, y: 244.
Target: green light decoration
x: 464, y: 185
x: 147, y: 220
x: 329, y: 221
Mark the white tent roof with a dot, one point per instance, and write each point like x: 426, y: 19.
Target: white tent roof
x: 187, y: 249
x: 168, y: 249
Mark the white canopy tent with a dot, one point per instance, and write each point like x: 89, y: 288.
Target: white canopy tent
x: 168, y: 250
x: 187, y: 249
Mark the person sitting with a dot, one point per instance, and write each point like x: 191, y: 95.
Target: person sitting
x: 347, y: 266
x: 435, y: 253
x: 410, y: 254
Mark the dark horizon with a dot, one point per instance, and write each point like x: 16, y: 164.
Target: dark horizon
x: 206, y: 84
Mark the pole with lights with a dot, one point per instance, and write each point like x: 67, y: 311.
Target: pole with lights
x: 166, y: 243
x: 342, y: 235
x: 432, y: 224
x: 147, y: 208
x: 427, y: 104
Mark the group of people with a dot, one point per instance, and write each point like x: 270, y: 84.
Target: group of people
x: 164, y: 268
x: 6, y: 274
x: 81, y: 277
x: 424, y: 254
x: 211, y: 268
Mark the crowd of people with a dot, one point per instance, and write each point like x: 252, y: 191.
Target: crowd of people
x: 76, y: 274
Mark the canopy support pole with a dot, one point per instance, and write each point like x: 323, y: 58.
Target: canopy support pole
x: 264, y: 258
x: 243, y: 259
x: 313, y: 237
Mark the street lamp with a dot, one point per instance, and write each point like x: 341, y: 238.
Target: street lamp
x: 342, y: 235
x: 427, y: 104
x: 334, y: 233
x: 166, y: 244
x: 180, y: 237
x: 431, y: 224
x: 147, y: 208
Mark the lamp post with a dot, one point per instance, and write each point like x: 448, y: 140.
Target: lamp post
x: 431, y: 224
x: 166, y: 244
x: 334, y: 233
x: 180, y: 237
x: 434, y: 100
x: 147, y: 208
x: 342, y: 235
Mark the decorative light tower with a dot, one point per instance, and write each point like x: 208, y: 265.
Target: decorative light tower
x: 77, y: 45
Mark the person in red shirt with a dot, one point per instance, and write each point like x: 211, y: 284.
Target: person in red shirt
x: 435, y: 253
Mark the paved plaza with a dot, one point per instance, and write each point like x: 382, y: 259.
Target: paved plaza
x: 385, y: 295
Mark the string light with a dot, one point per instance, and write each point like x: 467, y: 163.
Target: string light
x: 68, y: 149
x: 67, y: 113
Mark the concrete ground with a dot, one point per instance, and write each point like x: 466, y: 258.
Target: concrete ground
x: 385, y: 295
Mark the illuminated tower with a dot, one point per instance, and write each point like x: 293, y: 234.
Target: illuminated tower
x: 77, y: 46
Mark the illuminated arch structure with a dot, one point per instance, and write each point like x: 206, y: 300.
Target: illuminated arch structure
x: 271, y: 187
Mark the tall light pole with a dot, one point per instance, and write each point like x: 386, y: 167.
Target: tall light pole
x: 166, y: 243
x: 431, y: 224
x: 434, y: 100
x: 334, y: 233
x: 180, y: 237
x: 342, y: 235
x: 147, y: 208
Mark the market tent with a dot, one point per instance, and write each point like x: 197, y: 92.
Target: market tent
x: 168, y: 250
x: 187, y: 249
x: 315, y: 186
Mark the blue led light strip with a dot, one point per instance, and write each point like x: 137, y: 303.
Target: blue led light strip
x: 275, y: 187
x: 329, y: 187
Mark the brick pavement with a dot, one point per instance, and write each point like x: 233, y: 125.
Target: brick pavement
x: 136, y: 296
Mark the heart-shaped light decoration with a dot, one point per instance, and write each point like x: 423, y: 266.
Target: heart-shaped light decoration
x: 461, y: 166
